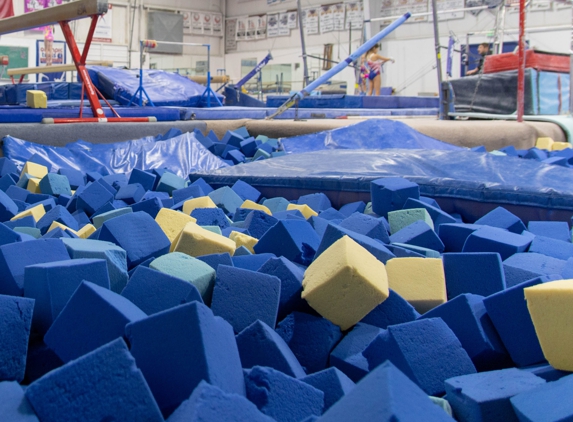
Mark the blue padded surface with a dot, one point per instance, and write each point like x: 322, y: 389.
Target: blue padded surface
x: 356, y: 101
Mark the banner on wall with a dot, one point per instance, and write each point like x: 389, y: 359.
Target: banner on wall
x: 399, y: 7
x: 292, y: 19
x: 262, y: 27
x: 251, y: 28
x: 207, y: 23
x: 354, y: 15
x: 230, y: 35
x: 326, y: 19
x: 241, y: 29
x: 284, y: 30
x: 273, y: 25
x: 197, y: 22
x: 310, y: 20
x: 338, y: 15
x: 103, y: 31
x: 217, y: 23
x: 58, y: 57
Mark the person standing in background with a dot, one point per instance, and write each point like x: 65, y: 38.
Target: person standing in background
x: 483, y: 50
x: 375, y: 63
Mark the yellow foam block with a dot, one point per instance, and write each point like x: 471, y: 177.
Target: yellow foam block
x: 304, y: 209
x: 172, y: 222
x: 37, y: 212
x: 34, y: 170
x: 56, y: 225
x: 250, y: 205
x: 551, y: 308
x: 194, y: 240
x: 544, y: 143
x: 421, y: 281
x: 36, y: 99
x: 201, y: 202
x: 345, y: 283
x: 34, y: 185
x: 245, y: 240
x: 86, y: 231
x: 558, y: 146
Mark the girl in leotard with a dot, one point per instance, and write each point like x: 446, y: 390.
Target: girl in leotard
x: 375, y: 63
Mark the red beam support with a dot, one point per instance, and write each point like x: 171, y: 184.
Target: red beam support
x: 88, y: 42
x: 521, y: 68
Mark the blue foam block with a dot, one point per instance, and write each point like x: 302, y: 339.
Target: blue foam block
x: 241, y: 297
x: 320, y: 224
x: 535, y: 154
x: 206, y: 187
x: 348, y: 357
x: 15, y: 192
x: 34, y: 198
x: 115, y: 180
x: 7, y: 166
x: 503, y: 219
x: 235, y: 156
x: 334, y: 232
x: 454, y: 235
x: 130, y: 193
x: 289, y: 215
x: 249, y: 146
x: 258, y: 222
x: 15, y: 324
x: 145, y: 179
x: 226, y: 199
x: 311, y: 339
x: 351, y: 208
x: 39, y: 361
x: 545, y: 403
x: 551, y: 247
x: 52, y: 284
x: 418, y: 250
x: 47, y: 203
x: 8, y: 207
x: 333, y: 383
x: 170, y: 182
x: 55, y: 184
x: 177, y: 348
x: 418, y: 234
x: 407, y: 251
x: 486, y: 396
x: 510, y: 316
x: 150, y: 206
x: 138, y: 234
x: 241, y: 214
x: 59, y: 214
x: 211, y: 217
x: 332, y: 214
x: 14, y: 406
x: 317, y: 201
x: 438, y: 216
x: 492, y: 239
x: 429, y: 201
x: 249, y: 261
x: 298, y: 241
x: 426, y: 350
x: 93, y: 198
x: 386, y: 394
x: 153, y: 291
x: 536, y: 263
x: 233, y: 138
x: 260, y: 345
x: 7, y: 181
x: 214, y: 260
x: 103, y: 385
x: 14, y: 257
x: 555, y: 229
x: 291, y: 283
x: 75, y: 177
x: 480, y: 273
x: 366, y: 225
x: 80, y: 326
x: 390, y: 194
x: 190, y: 192
x: 281, y: 397
x: 246, y: 191
x: 547, y: 372
x: 394, y: 310
x: 209, y: 403
x: 467, y: 317
x: 515, y: 276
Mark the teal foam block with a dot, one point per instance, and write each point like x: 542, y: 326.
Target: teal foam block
x: 131, y: 193
x: 311, y: 339
x: 546, y: 402
x: 104, y: 385
x: 15, y: 257
x: 115, y: 257
x: 394, y: 310
x: 485, y: 397
x: 281, y: 397
x: 480, y: 273
x: 403, y: 218
x: 439, y: 217
x: 536, y: 263
x: 153, y: 291
x: 32, y: 231
x: 385, y: 394
x: 138, y: 234
x: 55, y: 184
x: 492, y: 239
x: 390, y: 194
x: 15, y: 324
x: 366, y: 225
x: 260, y: 345
x: 347, y: 355
x: 426, y: 350
x: 187, y: 268
x: 92, y: 317
x: 418, y: 234
x: 178, y: 348
x: 333, y: 383
x: 276, y: 204
x: 242, y: 297
x: 52, y: 285
x: 14, y: 406
x: 503, y: 219
x: 170, y: 182
x: 209, y: 403
x: 226, y: 199
x: 99, y: 219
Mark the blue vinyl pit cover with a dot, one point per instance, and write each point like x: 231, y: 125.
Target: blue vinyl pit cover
x: 181, y: 155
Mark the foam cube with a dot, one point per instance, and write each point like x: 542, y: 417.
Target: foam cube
x: 551, y: 247
x: 486, y: 396
x: 187, y: 193
x: 421, y: 281
x: 59, y: 214
x: 276, y: 204
x: 226, y: 199
x: 558, y: 146
x: 285, y: 399
x: 291, y: 283
x: 426, y: 350
x: 177, y: 348
x: 250, y: 261
x: 353, y: 207
x: 241, y: 297
x: 492, y: 239
x: 467, y: 317
x: 93, y: 197
x: 550, y: 307
x: 55, y: 184
x: 296, y: 240
x: 439, y: 217
x: 478, y: 273
x: 16, y: 193
x: 260, y: 345
x: 52, y: 284
x: 246, y: 191
x: 14, y: 257
x: 169, y: 182
x: 37, y: 212
x: 390, y: 194
x: 289, y: 215
x: 536, y: 263
x: 418, y: 234
x: 115, y: 257
x: 554, y: 229
x: 196, y: 241
x: 15, y: 324
x: 509, y: 314
x: 185, y: 267
x: 385, y: 394
x: 209, y: 403
x: 150, y: 206
x: 210, y: 217
x: 310, y: 338
x: 138, y: 234
x: 503, y: 219
x: 366, y: 225
x: 214, y: 260
x: 248, y: 204
x: 14, y: 407
x: 7, y: 235
x: 244, y: 240
x: 258, y: 222
x: 417, y: 250
x: 8, y: 208
x: 354, y: 283
x: 332, y: 214
x: 305, y: 210
x: 394, y: 310
x: 333, y: 383
x: 78, y: 329
x: 172, y: 222
x: 7, y: 166
x: 403, y: 218
x: 316, y: 201
x: 35, y: 170
x: 545, y: 403
x: 102, y: 385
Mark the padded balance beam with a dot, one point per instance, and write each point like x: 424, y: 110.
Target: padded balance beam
x: 214, y: 79
x: 54, y: 69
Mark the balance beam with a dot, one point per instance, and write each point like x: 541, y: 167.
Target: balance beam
x: 54, y: 69
x: 214, y: 79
